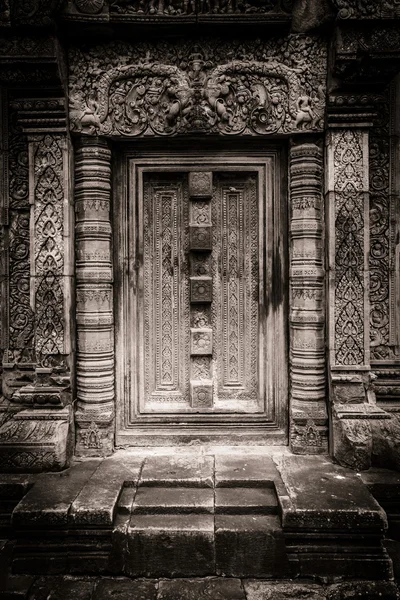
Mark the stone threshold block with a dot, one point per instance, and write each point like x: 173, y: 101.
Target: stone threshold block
x: 332, y: 524
x: 182, y: 471
x: 240, y: 471
x: 250, y: 546
x: 170, y: 546
x: 35, y: 440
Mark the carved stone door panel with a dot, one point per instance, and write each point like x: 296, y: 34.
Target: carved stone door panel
x: 201, y: 288
x: 193, y: 331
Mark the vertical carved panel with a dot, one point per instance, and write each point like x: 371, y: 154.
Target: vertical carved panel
x: 307, y: 348
x: 236, y: 289
x: 166, y: 301
x: 349, y: 300
x: 20, y: 313
x: 94, y: 303
x: 382, y: 212
x: 48, y: 218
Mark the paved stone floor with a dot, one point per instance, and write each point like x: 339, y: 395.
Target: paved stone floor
x: 24, y: 587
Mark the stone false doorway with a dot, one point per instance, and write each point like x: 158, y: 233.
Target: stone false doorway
x: 200, y: 298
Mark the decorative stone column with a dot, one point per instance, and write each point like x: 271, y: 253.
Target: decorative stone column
x: 94, y: 301
x: 360, y: 429
x: 308, y: 413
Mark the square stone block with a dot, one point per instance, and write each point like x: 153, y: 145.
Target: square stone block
x: 200, y: 237
x: 201, y: 394
x: 200, y: 289
x: 201, y: 341
x: 170, y: 546
x: 200, y: 184
x: 250, y: 546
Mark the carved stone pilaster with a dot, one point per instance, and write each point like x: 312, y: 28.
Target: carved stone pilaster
x: 308, y: 415
x: 94, y: 302
x: 360, y: 429
x: 37, y: 360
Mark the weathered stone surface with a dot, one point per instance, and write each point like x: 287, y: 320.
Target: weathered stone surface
x: 16, y: 587
x: 250, y: 546
x: 178, y: 471
x: 367, y: 590
x: 246, y: 501
x: 285, y: 590
x: 244, y: 471
x: 97, y: 502
x: 194, y: 589
x: 326, y: 496
x: 173, y: 500
x: 126, y: 499
x: 170, y: 546
x: 36, y: 440
x: 62, y: 588
x: 386, y: 443
x: 352, y: 445
x: 125, y: 589
x: 49, y: 500
x: 393, y: 549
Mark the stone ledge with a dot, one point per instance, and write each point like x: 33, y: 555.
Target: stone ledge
x: 35, y: 440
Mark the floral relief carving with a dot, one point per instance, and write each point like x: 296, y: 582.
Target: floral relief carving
x: 49, y: 258
x: 349, y: 248
x: 257, y: 88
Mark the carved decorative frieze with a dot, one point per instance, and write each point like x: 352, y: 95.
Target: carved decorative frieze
x: 308, y: 415
x: 368, y: 9
x: 193, y: 7
x: 263, y: 88
x: 349, y: 232
x: 94, y: 305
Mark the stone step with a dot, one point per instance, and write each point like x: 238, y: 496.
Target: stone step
x: 176, y: 500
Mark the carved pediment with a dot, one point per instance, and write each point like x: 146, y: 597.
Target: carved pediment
x: 257, y: 91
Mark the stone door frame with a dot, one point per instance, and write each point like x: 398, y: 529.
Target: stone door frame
x: 95, y: 415
x: 272, y: 428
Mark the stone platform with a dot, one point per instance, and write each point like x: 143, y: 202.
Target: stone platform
x: 221, y: 518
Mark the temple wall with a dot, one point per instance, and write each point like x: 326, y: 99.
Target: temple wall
x: 58, y: 143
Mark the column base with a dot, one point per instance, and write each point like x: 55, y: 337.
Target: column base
x: 94, y: 435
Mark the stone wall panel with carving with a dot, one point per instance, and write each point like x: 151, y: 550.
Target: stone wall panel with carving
x: 229, y: 88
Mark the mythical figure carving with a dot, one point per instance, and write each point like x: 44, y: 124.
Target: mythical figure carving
x: 255, y: 92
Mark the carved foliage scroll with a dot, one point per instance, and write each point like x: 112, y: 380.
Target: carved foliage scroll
x: 382, y: 238
x: 350, y: 186
x: 257, y: 88
x: 20, y: 314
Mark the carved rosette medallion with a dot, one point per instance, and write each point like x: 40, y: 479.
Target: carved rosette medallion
x: 262, y: 88
x: 200, y: 289
x: 307, y: 348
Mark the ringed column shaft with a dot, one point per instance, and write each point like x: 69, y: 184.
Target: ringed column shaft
x: 308, y: 414
x: 94, y: 299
